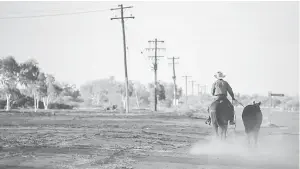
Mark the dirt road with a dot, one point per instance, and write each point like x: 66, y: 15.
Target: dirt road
x: 159, y: 141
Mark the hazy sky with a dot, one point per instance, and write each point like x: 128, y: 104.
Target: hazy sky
x: 254, y: 43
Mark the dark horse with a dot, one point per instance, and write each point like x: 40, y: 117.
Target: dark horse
x: 220, y: 115
x: 252, y: 119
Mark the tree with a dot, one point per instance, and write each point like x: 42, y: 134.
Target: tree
x: 293, y: 104
x: 86, y: 91
x: 9, y: 78
x: 40, y: 89
x: 70, y: 90
x: 29, y: 73
x: 69, y: 94
x: 169, y: 91
x: 100, y: 97
x: 244, y: 99
x: 121, y: 88
x: 179, y: 93
x: 48, y: 89
x: 96, y: 92
x: 161, y: 92
x: 275, y: 102
x: 141, y: 93
x: 121, y: 91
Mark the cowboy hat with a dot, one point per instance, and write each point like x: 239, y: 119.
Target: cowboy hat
x: 219, y: 75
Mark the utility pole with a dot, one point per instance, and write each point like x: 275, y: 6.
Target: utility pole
x: 198, y: 87
x: 121, y: 7
x: 192, y: 86
x: 201, y: 89
x: 186, y: 95
x: 155, y: 67
x: 204, y: 89
x: 174, y: 78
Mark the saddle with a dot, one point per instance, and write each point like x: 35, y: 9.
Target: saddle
x: 222, y: 99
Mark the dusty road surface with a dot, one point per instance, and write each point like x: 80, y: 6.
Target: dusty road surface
x: 141, y: 141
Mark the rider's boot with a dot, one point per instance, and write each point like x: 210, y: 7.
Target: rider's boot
x: 208, y: 120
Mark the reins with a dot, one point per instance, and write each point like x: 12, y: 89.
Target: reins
x: 239, y: 103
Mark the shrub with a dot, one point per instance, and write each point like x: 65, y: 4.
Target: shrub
x: 59, y: 106
x: 166, y: 103
x: 25, y: 102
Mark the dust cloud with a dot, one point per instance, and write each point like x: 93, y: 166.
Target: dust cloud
x: 277, y: 148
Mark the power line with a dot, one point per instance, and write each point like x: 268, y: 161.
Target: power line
x: 58, y: 14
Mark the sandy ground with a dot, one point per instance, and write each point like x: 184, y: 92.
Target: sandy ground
x: 144, y: 141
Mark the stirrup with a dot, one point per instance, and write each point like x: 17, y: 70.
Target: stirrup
x: 208, y: 121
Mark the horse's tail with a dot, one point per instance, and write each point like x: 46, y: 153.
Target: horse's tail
x: 221, y: 120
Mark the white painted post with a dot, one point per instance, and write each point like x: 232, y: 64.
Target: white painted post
x: 270, y: 108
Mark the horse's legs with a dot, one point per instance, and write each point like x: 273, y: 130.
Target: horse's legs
x: 225, y: 130
x: 249, y: 139
x: 255, y: 137
x: 222, y: 133
x: 252, y: 138
x: 215, y: 126
x: 214, y: 123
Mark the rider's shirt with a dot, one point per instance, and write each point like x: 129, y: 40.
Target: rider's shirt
x: 221, y: 87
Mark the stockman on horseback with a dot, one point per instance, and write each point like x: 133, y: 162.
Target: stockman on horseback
x: 220, y: 89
